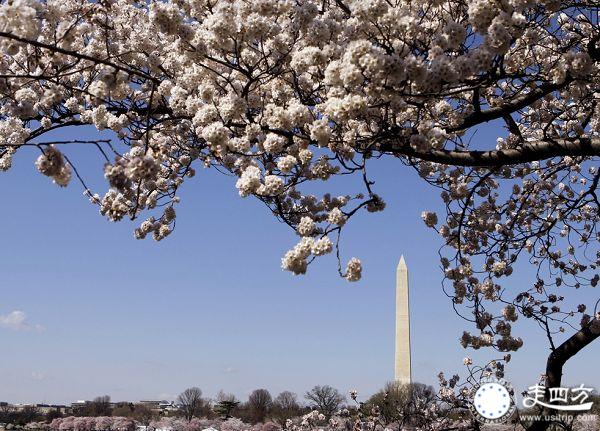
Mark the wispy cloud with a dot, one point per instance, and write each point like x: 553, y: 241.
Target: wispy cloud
x: 17, y: 321
x: 38, y: 376
x: 230, y: 370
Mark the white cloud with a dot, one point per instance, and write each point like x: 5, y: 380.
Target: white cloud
x: 38, y: 376
x: 17, y: 321
x: 230, y: 370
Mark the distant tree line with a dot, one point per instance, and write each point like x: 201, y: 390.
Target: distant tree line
x: 21, y: 417
x: 397, y: 403
x: 404, y: 406
x: 259, y: 407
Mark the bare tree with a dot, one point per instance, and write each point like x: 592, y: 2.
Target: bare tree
x: 19, y: 417
x: 124, y: 409
x: 325, y: 399
x: 259, y: 404
x: 403, y: 403
x: 191, y: 402
x: 142, y: 414
x: 285, y: 406
x: 100, y: 406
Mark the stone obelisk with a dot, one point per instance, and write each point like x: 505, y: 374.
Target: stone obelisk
x: 403, y: 374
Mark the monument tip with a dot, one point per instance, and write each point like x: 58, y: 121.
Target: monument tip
x: 402, y: 263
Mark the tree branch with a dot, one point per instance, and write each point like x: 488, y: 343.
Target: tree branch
x: 567, y: 350
x: 511, y: 106
x: 78, y: 55
x: 529, y: 152
x: 558, y: 358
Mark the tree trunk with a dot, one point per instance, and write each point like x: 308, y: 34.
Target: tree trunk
x: 556, y: 361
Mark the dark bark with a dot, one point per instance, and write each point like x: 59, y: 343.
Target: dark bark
x: 510, y: 106
x: 528, y: 152
x: 556, y: 361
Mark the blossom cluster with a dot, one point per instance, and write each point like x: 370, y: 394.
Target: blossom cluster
x: 100, y: 423
x: 286, y: 95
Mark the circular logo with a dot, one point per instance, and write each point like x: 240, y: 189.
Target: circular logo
x: 492, y: 402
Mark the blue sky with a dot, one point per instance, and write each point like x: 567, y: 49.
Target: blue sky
x: 210, y: 307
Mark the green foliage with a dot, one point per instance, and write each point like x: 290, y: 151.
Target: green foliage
x: 225, y: 408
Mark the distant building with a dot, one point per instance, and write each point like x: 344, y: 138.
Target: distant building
x: 41, y: 408
x: 151, y: 404
x: 20, y: 407
x: 160, y: 406
x: 47, y: 408
x: 168, y: 405
x: 78, y: 406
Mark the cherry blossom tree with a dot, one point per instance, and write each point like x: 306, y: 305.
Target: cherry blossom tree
x: 55, y: 424
x: 90, y: 423
x: 234, y: 424
x: 271, y: 426
x: 166, y: 423
x: 285, y: 95
x: 123, y: 424
x: 66, y: 424
x: 102, y: 423
x: 83, y: 424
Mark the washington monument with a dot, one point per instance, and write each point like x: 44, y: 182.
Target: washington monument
x: 402, y: 374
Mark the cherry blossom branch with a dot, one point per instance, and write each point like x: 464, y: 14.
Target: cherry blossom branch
x: 528, y: 152
x: 77, y: 55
